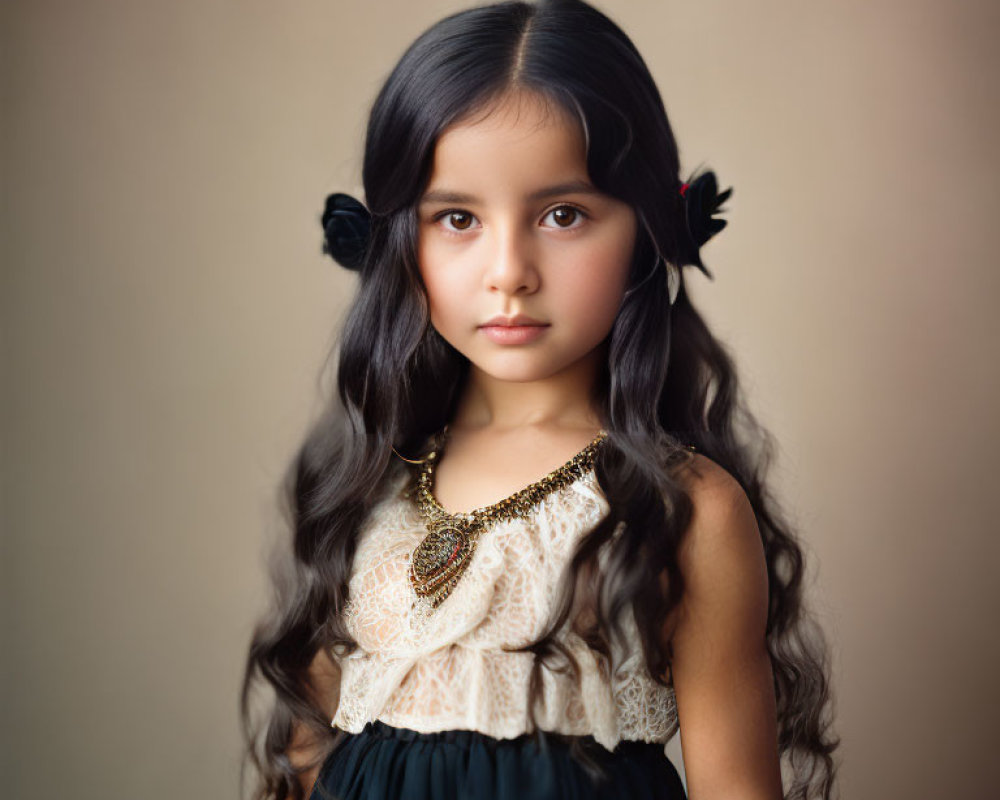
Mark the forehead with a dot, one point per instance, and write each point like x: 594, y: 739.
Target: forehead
x: 517, y: 107
x: 521, y: 138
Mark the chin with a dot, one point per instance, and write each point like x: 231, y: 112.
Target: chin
x: 518, y: 368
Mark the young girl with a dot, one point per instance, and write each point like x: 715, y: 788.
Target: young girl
x: 532, y: 535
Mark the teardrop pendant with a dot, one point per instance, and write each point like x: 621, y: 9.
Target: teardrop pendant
x: 446, y: 551
x: 441, y: 558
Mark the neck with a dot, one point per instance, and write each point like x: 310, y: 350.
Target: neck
x: 563, y: 400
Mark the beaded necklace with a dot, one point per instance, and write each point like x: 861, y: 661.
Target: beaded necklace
x: 442, y: 556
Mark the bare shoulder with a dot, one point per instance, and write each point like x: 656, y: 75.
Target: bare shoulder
x: 721, y: 554
x: 714, y: 492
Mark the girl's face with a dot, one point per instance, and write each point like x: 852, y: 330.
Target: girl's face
x: 510, y: 225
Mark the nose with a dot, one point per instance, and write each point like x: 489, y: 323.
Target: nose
x: 512, y: 267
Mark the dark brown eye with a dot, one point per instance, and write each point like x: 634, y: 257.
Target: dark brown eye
x: 564, y: 215
x: 459, y: 216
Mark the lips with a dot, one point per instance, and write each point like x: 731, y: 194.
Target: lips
x: 517, y: 321
x: 506, y: 335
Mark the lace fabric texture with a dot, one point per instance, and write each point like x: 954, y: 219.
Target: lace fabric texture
x: 437, y: 669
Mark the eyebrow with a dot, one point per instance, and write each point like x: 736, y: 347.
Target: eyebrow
x: 569, y: 187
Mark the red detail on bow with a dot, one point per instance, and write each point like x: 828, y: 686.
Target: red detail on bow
x: 684, y: 188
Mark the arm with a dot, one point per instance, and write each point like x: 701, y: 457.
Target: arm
x: 721, y: 668
x: 324, y: 685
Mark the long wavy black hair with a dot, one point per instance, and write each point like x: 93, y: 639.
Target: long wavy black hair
x: 667, y: 383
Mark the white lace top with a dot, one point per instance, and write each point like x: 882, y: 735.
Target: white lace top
x: 437, y: 669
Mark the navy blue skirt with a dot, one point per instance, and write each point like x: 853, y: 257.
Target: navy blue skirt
x: 386, y: 763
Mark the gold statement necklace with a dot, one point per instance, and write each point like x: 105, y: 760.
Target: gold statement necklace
x: 443, y: 555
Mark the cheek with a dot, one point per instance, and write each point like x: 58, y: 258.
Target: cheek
x: 436, y: 299
x: 434, y: 281
x: 599, y: 284
x: 447, y: 297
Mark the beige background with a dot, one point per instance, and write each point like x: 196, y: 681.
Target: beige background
x: 166, y: 311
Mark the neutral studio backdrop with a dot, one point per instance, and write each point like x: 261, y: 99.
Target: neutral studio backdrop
x: 166, y: 311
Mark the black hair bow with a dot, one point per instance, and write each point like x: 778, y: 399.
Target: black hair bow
x: 346, y: 229
x: 701, y: 201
